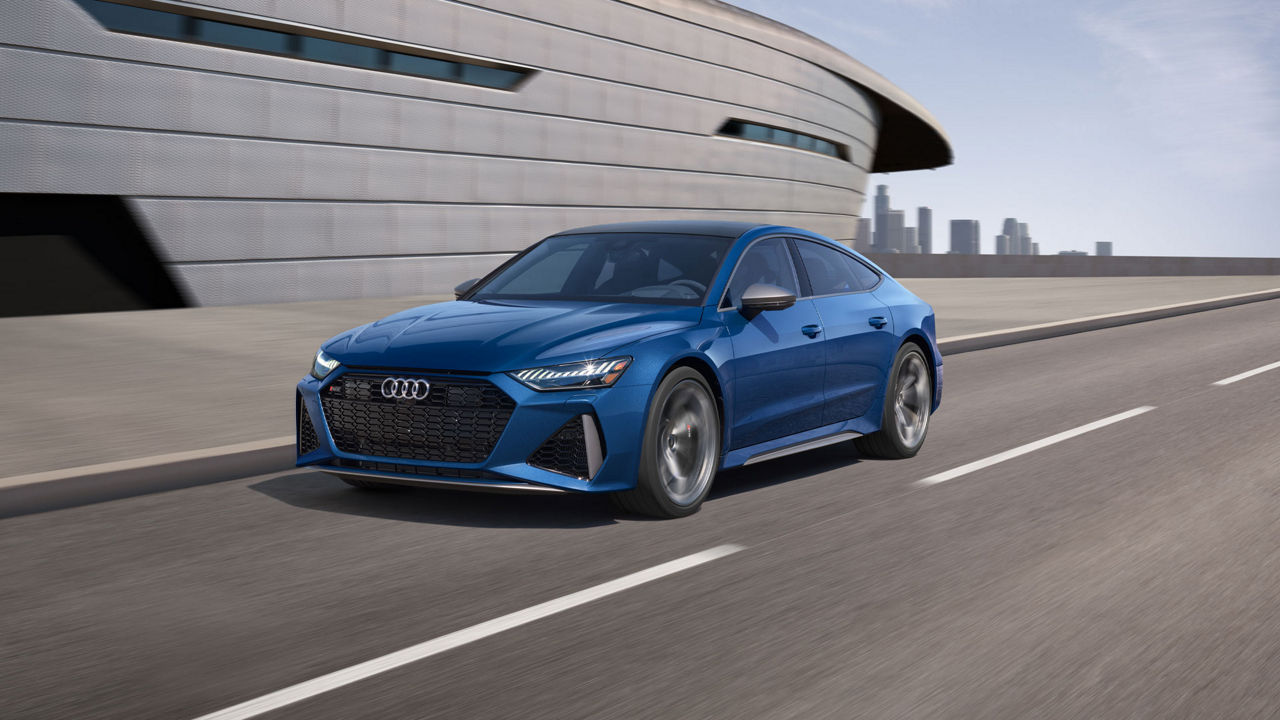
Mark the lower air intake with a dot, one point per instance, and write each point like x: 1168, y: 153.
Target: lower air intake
x: 308, y: 441
x: 576, y: 449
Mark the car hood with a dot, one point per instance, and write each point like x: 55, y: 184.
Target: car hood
x: 495, y: 336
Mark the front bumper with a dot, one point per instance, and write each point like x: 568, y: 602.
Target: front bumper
x: 617, y: 413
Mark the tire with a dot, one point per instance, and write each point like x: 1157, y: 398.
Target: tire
x: 908, y: 401
x: 676, y: 468
x: 364, y: 484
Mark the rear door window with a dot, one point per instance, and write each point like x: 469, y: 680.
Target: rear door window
x: 832, y: 272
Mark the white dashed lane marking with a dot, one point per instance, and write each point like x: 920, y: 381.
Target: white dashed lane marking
x: 369, y: 668
x: 1031, y: 447
x: 1249, y: 374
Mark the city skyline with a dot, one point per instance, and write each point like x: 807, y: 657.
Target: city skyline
x: 887, y: 233
x: 1093, y: 119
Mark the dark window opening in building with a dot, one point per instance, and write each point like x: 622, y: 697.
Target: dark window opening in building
x: 239, y: 36
x: 778, y: 136
x: 242, y: 37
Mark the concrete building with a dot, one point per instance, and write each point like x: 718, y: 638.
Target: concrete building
x: 895, y: 224
x: 1102, y: 248
x: 1017, y: 238
x: 924, y: 229
x: 862, y: 237
x: 879, y: 242
x: 910, y: 241
x: 1002, y: 245
x: 1035, y: 248
x: 1010, y: 230
x: 965, y: 236
x: 237, y: 151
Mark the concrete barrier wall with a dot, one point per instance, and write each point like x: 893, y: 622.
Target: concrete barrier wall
x: 942, y: 266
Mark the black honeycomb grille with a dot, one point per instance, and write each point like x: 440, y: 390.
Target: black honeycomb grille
x: 459, y: 421
x: 448, y: 473
x: 565, y: 452
x: 308, y: 441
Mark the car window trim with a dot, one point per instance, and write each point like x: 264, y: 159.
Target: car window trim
x: 729, y: 283
x: 811, y: 296
x: 805, y: 284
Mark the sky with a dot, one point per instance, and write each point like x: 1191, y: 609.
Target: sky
x: 1154, y: 124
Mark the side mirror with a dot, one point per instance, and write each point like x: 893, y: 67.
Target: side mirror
x: 766, y: 297
x: 464, y: 286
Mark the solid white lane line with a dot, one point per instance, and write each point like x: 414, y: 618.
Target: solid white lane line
x: 355, y: 673
x: 1251, y: 373
x: 1031, y: 447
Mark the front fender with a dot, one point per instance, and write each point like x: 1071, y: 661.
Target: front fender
x: 706, y: 346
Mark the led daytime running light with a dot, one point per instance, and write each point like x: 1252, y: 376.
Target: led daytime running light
x: 585, y: 371
x: 589, y: 374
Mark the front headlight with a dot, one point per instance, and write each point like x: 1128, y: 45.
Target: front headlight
x: 322, y: 366
x: 574, y: 376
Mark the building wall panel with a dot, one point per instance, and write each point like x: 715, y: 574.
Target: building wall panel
x: 266, y: 178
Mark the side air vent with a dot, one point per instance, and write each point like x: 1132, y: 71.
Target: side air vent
x: 576, y: 449
x: 308, y: 441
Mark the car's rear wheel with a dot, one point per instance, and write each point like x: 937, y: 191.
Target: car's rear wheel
x: 907, y: 404
x: 681, y: 449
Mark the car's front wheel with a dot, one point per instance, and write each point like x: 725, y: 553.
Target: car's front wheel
x: 907, y: 404
x: 681, y: 449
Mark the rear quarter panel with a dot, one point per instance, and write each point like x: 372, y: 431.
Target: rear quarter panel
x: 913, y: 317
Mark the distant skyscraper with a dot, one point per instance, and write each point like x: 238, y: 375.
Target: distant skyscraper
x: 1035, y: 248
x: 1102, y: 248
x: 879, y: 241
x: 1024, y: 239
x: 1010, y: 231
x: 862, y: 238
x: 1002, y: 244
x: 895, y: 220
x: 1014, y: 241
x: 924, y: 229
x: 1072, y: 252
x: 965, y: 237
x: 910, y: 241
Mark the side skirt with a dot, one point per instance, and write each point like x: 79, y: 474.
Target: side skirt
x: 797, y: 443
x: 802, y: 447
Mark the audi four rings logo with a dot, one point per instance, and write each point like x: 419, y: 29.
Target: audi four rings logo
x: 405, y: 388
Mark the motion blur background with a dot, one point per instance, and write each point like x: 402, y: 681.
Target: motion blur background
x: 242, y: 152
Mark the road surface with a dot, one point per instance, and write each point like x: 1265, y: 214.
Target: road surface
x: 1023, y: 565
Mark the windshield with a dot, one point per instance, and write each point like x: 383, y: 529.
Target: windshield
x: 612, y: 267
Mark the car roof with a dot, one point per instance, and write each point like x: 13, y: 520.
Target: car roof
x: 719, y: 228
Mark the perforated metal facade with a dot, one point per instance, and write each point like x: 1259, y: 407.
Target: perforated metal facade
x: 264, y: 177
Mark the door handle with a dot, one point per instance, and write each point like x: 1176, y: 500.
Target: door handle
x: 811, y: 330
x: 877, y: 322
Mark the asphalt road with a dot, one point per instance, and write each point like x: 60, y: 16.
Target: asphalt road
x: 1130, y: 571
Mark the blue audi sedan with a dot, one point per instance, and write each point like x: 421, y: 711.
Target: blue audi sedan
x: 635, y: 359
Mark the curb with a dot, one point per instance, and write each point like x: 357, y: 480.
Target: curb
x: 71, y: 487
x: 1028, y: 333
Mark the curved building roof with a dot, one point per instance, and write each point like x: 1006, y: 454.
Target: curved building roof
x: 910, y: 137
